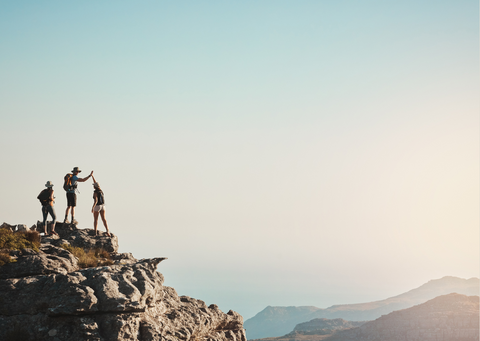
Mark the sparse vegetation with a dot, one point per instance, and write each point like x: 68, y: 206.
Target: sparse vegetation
x: 89, y: 258
x: 16, y: 241
x: 5, y: 257
x: 19, y: 240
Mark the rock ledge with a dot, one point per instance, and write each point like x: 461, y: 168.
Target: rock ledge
x: 46, y: 296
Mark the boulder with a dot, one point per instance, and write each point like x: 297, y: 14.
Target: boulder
x: 50, y: 260
x: 22, y: 227
x: 8, y: 226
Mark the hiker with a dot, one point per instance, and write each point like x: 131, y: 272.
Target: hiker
x: 98, y: 206
x: 70, y: 185
x: 47, y: 200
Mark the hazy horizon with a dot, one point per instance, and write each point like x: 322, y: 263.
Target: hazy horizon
x: 278, y: 153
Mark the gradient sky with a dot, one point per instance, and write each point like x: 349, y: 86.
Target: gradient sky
x: 277, y: 152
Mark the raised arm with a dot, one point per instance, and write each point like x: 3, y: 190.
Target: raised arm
x: 86, y: 178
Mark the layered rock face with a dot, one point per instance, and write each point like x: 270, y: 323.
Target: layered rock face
x: 45, y: 296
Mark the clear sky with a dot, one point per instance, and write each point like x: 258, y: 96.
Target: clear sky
x: 277, y: 152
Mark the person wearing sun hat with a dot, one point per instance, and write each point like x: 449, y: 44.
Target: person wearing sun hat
x: 71, y: 195
x: 47, y: 200
x: 98, y: 206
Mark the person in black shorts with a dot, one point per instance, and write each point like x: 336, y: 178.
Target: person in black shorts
x: 72, y: 196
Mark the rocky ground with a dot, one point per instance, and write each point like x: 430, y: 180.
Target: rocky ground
x: 45, y: 295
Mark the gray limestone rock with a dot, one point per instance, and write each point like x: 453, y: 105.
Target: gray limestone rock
x: 50, y: 259
x: 22, y: 227
x: 45, y: 296
x: 8, y: 226
x: 84, y: 238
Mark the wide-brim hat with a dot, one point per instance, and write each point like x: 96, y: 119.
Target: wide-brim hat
x: 75, y: 169
x: 49, y: 184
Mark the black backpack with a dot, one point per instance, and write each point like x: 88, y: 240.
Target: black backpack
x: 44, y: 197
x: 100, y: 198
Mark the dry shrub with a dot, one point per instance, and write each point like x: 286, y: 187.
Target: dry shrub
x: 19, y: 240
x: 32, y: 236
x: 89, y: 258
x: 4, y: 257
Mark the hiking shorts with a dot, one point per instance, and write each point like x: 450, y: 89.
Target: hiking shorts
x: 99, y: 208
x: 71, y: 199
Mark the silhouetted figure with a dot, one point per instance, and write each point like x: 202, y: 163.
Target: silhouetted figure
x: 70, y: 186
x: 98, y: 206
x: 47, y: 200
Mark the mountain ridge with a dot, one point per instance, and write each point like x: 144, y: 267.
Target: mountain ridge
x: 277, y: 321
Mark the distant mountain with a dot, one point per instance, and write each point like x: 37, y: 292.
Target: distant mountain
x: 278, y: 321
x: 323, y: 326
x: 452, y: 317
x: 315, y: 330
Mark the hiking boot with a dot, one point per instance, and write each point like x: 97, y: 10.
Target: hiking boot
x: 66, y: 221
x: 74, y: 222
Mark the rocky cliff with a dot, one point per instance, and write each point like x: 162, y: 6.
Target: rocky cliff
x: 46, y: 295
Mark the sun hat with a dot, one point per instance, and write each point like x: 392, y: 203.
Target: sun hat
x: 49, y: 184
x: 75, y: 169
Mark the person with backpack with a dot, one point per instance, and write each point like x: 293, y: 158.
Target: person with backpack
x: 47, y: 200
x: 70, y: 185
x: 98, y: 206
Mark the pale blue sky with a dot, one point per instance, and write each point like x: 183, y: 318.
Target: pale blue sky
x: 278, y: 152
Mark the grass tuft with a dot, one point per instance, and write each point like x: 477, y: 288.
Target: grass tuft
x: 16, y: 241
x: 89, y: 258
x: 5, y: 257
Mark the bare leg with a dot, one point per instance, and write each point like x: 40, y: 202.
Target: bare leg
x: 102, y: 214
x: 95, y: 221
x: 66, y: 212
x: 73, y: 213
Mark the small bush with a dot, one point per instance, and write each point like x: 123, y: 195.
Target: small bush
x: 89, y: 258
x: 19, y: 240
x: 5, y: 257
x: 32, y: 236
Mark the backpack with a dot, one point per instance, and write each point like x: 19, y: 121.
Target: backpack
x: 67, y: 182
x: 44, y: 197
x: 100, y: 198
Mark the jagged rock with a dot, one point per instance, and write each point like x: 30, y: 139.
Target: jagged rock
x: 50, y: 260
x: 8, y: 226
x: 124, y: 258
x: 84, y: 238
x: 44, y: 296
x: 22, y: 227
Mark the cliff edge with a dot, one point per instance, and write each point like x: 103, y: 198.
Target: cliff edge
x: 47, y: 293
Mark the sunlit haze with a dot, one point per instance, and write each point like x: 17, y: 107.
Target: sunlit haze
x: 277, y: 152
